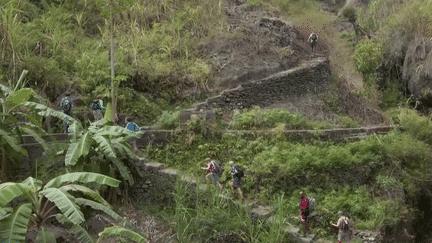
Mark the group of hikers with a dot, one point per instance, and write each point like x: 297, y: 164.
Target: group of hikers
x: 306, y: 204
x: 97, y: 107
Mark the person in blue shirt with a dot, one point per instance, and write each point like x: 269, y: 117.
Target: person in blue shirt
x: 132, y: 126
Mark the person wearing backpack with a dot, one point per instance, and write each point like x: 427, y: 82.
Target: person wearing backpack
x: 344, y: 227
x: 313, y: 41
x: 66, y: 104
x: 237, y: 174
x: 304, y: 212
x: 133, y: 127
x: 215, y: 172
x: 97, y: 107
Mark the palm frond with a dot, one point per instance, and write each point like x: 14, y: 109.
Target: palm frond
x: 5, y: 212
x: 114, y: 131
x: 86, y: 191
x: 45, y: 236
x: 117, y: 231
x: 98, y: 206
x: 105, y: 145
x: 5, y: 89
x: 83, y: 177
x: 32, y: 182
x: 78, y: 149
x: 14, y: 228
x: 65, y: 202
x: 124, y: 171
x: 18, y: 97
x: 82, y: 235
x: 44, y: 110
x: 75, y: 130
x: 125, y: 150
x: 35, y: 135
x: 12, y: 141
x: 72, y: 154
x: 11, y: 190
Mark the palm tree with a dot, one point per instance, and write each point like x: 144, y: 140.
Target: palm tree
x: 53, y: 200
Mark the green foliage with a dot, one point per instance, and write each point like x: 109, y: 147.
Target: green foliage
x: 100, y: 141
x: 257, y: 118
x: 367, y: 56
x: 350, y: 13
x: 169, y: 120
x: 391, y: 96
x: 25, y: 215
x: 348, y: 122
x: 121, y: 232
x: 294, y: 7
x: 389, y: 182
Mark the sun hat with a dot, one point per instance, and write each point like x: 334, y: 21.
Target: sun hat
x: 231, y: 162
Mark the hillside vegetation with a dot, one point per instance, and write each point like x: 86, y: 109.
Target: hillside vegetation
x: 382, y: 181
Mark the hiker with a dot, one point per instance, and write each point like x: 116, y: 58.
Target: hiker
x: 97, y: 107
x: 66, y: 104
x: 237, y: 174
x: 132, y: 126
x: 215, y: 172
x: 343, y: 225
x: 304, y: 212
x: 313, y: 40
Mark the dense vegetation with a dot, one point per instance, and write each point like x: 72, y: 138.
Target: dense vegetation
x: 66, y: 44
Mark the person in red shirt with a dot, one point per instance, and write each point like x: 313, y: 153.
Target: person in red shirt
x: 304, y: 212
x: 211, y: 167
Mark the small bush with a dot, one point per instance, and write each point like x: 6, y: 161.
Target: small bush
x: 391, y: 96
x: 168, y: 120
x: 367, y: 56
x: 348, y: 122
x: 350, y: 13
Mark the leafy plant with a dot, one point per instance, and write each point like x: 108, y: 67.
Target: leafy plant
x: 367, y: 56
x: 88, y: 148
x: 54, y: 199
x: 120, y: 233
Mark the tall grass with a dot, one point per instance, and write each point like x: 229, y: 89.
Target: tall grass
x: 203, y: 214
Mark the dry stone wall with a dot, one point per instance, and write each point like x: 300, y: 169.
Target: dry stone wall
x: 265, y: 92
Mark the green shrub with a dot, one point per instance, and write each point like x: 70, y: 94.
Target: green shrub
x: 348, y: 122
x: 391, y: 96
x: 389, y: 182
x: 169, y: 120
x: 258, y: 118
x: 350, y: 13
x: 367, y: 56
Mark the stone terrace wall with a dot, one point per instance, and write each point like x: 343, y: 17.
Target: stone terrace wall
x: 315, y: 78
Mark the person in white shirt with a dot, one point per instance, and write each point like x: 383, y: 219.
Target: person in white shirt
x: 313, y: 41
x: 343, y: 235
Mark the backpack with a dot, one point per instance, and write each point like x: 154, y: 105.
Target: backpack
x: 132, y: 126
x: 311, y: 204
x: 66, y: 104
x: 345, y: 225
x: 240, y: 172
x: 95, y: 105
x: 218, y: 169
x: 314, y: 37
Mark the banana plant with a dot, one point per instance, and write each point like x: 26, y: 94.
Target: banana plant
x: 15, y: 121
x: 54, y: 200
x: 120, y: 233
x: 100, y: 144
